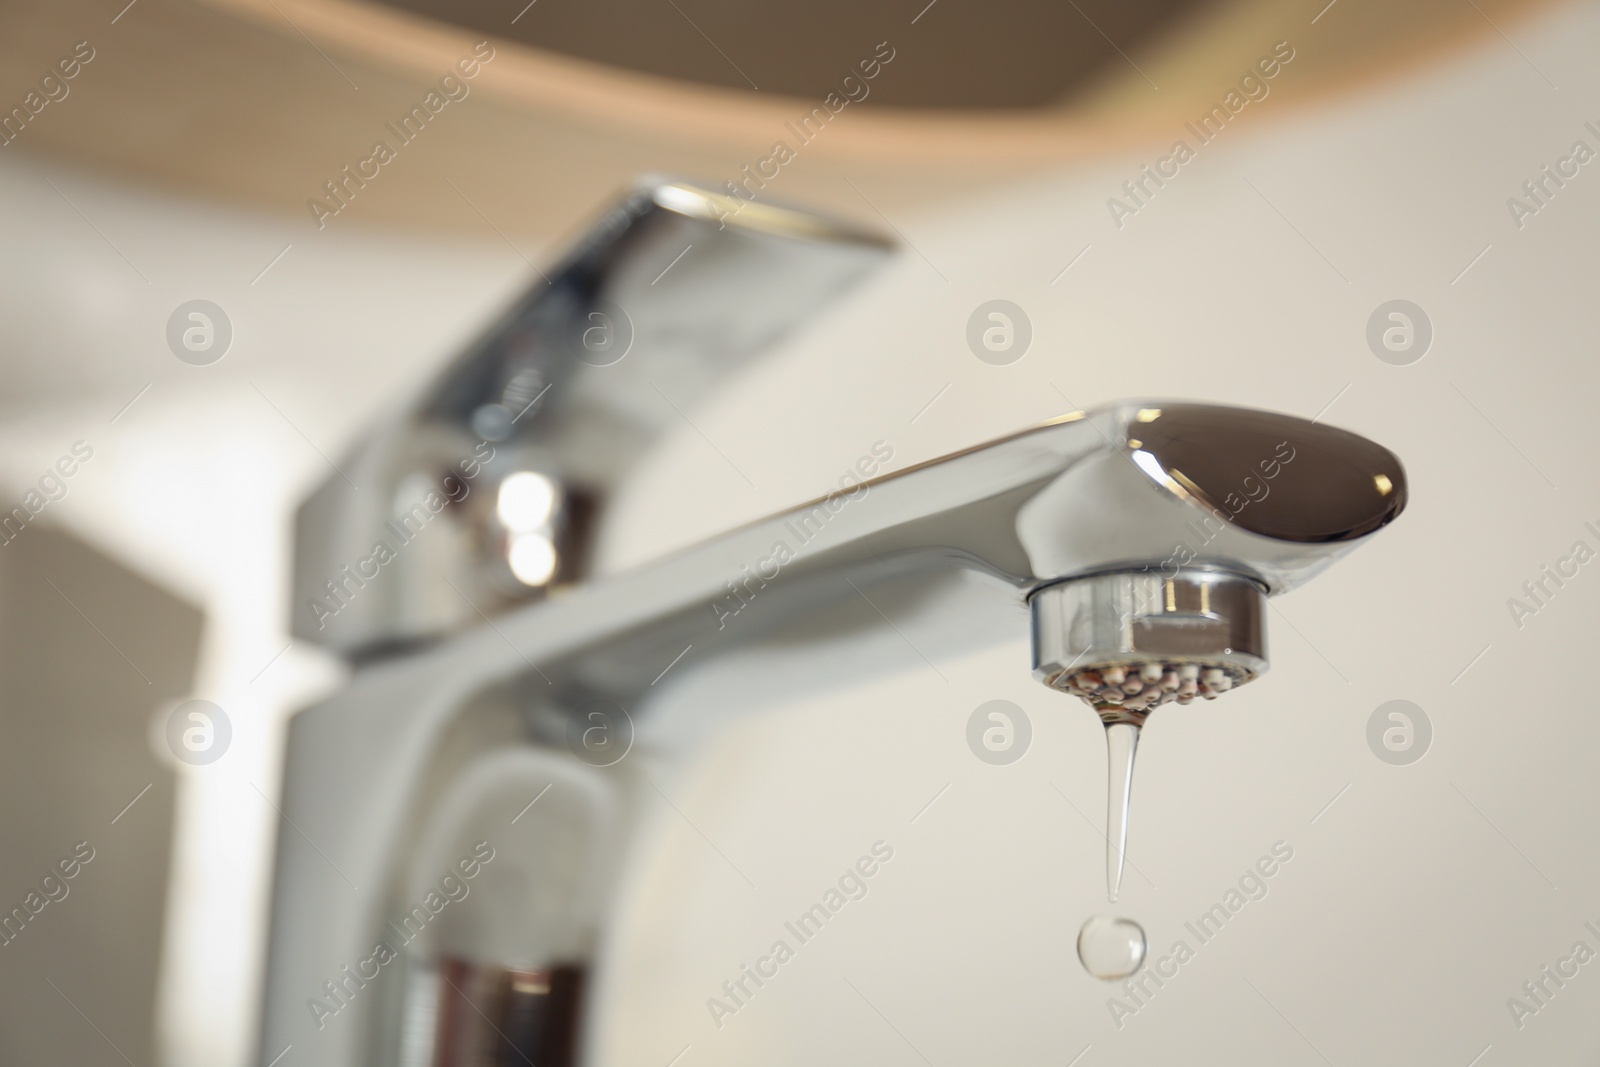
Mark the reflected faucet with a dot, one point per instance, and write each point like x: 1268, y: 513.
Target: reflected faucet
x: 1138, y: 541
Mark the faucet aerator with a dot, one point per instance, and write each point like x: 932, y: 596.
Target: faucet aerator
x: 1128, y: 642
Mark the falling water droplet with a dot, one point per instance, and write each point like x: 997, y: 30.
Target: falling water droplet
x: 1122, y: 740
x: 1111, y: 949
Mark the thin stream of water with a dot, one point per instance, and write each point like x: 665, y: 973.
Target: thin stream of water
x: 1122, y: 741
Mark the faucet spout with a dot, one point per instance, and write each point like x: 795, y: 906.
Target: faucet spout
x: 1141, y: 539
x: 1272, y: 501
x: 1133, y: 541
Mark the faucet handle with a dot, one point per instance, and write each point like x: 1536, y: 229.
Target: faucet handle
x: 488, y: 489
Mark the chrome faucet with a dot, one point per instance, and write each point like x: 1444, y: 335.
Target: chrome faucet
x: 1141, y: 540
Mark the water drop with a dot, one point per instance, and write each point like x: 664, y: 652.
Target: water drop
x: 1122, y: 741
x: 1111, y: 949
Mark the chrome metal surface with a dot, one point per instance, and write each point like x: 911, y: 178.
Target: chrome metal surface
x: 1139, y: 529
x: 1198, y: 615
x: 1100, y: 498
x: 660, y: 301
x: 1012, y: 510
x: 1228, y: 460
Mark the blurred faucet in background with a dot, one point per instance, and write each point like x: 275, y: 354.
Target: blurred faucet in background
x: 515, y: 450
